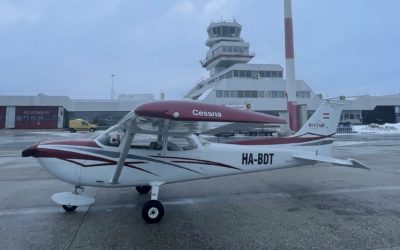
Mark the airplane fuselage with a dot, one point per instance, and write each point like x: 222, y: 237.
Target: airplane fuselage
x: 89, y: 163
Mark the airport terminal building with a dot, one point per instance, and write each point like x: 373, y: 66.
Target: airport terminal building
x: 233, y: 81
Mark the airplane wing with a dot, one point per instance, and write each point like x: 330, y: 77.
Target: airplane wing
x: 196, y: 111
x: 163, y: 117
x: 191, y: 117
x: 347, y: 163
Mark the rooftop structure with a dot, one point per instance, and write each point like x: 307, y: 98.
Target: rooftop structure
x: 236, y: 82
x: 226, y: 47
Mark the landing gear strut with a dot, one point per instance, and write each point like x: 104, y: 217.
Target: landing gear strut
x: 69, y: 201
x: 143, y: 189
x: 153, y: 210
x: 71, y: 208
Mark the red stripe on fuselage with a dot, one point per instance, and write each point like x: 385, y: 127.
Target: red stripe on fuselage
x: 276, y: 141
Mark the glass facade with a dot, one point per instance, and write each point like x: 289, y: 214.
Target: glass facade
x: 224, y: 31
x: 244, y: 74
x: 257, y: 94
x: 303, y: 94
x: 249, y: 94
x: 351, y: 115
x: 257, y: 74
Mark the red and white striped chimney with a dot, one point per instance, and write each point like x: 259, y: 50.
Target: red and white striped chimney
x: 290, y: 71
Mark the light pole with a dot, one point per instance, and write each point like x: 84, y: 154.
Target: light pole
x: 112, y: 86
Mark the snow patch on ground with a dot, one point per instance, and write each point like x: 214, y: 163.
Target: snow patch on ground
x: 387, y: 128
x: 346, y: 143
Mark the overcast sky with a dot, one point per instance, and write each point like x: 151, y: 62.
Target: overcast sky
x: 71, y: 47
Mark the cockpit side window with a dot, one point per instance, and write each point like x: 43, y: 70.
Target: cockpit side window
x: 146, y: 141
x: 180, y: 143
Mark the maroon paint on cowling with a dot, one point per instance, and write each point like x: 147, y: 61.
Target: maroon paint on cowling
x: 30, y: 151
x: 186, y: 110
x: 61, y: 154
x: 289, y: 49
x: 83, y: 143
x: 275, y: 141
x: 2, y: 117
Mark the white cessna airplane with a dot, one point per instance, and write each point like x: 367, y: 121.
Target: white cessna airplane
x: 154, y: 145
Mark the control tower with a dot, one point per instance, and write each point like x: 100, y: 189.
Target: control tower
x: 226, y: 48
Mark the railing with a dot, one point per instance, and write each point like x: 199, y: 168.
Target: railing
x: 345, y: 130
x: 226, y: 53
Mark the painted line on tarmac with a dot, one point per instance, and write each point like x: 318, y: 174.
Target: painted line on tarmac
x: 359, y: 190
x: 374, y: 150
x: 192, y: 201
x: 36, y: 210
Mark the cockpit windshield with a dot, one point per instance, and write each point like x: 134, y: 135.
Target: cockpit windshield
x: 203, y: 141
x: 112, y: 137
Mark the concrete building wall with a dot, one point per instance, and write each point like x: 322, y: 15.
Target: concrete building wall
x: 261, y: 103
x: 10, y: 117
x: 61, y: 115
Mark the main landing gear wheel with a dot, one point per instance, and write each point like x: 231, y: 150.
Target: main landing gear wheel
x: 143, y: 189
x: 152, y: 211
x: 69, y: 208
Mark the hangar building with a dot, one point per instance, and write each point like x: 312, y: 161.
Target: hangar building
x: 47, y: 112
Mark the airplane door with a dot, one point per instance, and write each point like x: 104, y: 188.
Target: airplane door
x: 148, y: 152
x: 184, y: 151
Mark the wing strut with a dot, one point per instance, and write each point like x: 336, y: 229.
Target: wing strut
x: 165, y: 135
x: 126, y: 144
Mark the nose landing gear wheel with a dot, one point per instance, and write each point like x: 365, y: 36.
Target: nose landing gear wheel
x: 68, y: 208
x: 153, y: 211
x: 143, y: 189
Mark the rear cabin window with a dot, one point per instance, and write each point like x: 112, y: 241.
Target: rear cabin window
x: 180, y: 143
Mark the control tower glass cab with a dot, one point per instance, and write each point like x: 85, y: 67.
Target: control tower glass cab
x: 226, y: 48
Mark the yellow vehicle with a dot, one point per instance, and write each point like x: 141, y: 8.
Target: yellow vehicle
x: 80, y: 124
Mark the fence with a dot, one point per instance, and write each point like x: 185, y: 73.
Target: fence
x: 345, y: 130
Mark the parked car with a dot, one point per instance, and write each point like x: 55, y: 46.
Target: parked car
x: 81, y: 125
x: 261, y: 131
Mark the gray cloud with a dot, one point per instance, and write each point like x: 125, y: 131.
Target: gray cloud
x: 72, y: 47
